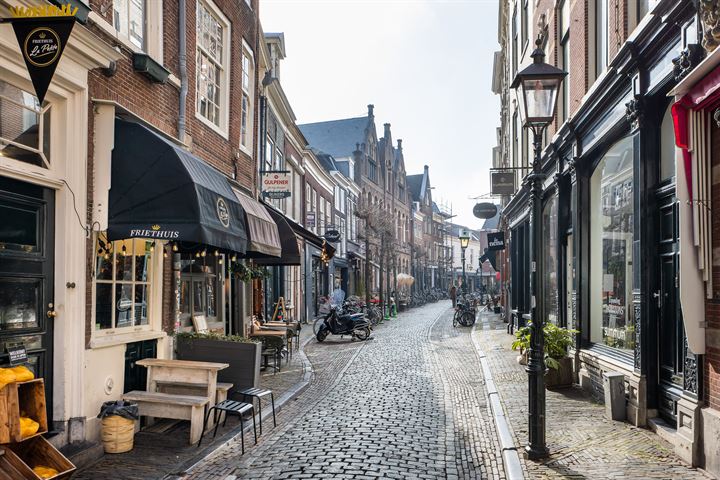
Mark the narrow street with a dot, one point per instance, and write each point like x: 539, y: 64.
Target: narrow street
x: 410, y: 403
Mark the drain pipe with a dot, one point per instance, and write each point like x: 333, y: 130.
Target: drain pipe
x: 182, y: 60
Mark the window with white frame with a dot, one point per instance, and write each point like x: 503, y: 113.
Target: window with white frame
x: 213, y: 45
x: 269, y: 150
x: 129, y: 17
x: 24, y: 127
x: 246, y: 103
x: 123, y: 272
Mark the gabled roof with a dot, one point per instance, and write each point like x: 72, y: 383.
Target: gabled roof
x: 336, y: 137
x: 326, y: 160
x: 435, y: 208
x: 414, y: 183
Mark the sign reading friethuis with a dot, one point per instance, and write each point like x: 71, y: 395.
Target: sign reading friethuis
x: 42, y: 33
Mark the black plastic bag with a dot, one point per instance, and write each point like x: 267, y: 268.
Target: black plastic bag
x: 121, y: 408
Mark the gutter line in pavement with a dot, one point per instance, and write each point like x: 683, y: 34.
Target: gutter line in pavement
x: 510, y: 456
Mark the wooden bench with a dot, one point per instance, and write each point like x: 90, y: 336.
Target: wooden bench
x: 166, y: 405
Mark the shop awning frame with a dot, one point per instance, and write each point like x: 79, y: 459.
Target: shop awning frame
x: 290, y: 252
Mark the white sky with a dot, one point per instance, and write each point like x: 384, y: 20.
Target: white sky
x: 426, y: 65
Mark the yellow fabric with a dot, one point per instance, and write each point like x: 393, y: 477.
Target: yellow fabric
x: 28, y: 427
x: 22, y: 373
x: 6, y: 376
x: 45, y: 472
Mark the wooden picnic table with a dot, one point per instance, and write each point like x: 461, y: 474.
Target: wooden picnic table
x: 183, y: 371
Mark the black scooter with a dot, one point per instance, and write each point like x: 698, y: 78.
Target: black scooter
x: 338, y: 323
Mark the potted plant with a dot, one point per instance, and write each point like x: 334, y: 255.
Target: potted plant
x: 241, y: 353
x: 557, y: 341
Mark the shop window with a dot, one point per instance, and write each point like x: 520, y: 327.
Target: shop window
x: 122, y: 282
x: 212, y: 61
x: 611, y: 240
x: 667, y: 146
x: 550, y: 259
x: 24, y: 127
x: 201, y: 275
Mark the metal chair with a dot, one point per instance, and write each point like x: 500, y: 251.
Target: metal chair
x: 259, y: 393
x: 230, y: 407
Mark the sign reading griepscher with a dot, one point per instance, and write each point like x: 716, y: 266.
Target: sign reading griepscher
x: 276, y: 185
x: 496, y: 241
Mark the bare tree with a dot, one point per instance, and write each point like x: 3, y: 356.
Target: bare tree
x: 377, y: 225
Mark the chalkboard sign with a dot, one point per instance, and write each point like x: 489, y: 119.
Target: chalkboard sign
x: 18, y: 355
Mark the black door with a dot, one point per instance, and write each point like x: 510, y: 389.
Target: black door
x: 671, y: 334
x: 135, y: 375
x: 26, y: 275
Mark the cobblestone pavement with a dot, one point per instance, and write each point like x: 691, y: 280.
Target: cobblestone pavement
x: 410, y: 403
x: 166, y: 452
x: 583, y: 444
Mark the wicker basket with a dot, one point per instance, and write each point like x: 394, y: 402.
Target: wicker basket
x: 117, y: 434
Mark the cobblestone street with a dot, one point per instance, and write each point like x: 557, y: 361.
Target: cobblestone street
x: 410, y: 403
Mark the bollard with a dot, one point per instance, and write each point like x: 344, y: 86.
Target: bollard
x: 614, y: 387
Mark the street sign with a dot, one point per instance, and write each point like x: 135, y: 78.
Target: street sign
x: 485, y: 210
x: 496, y: 241
x: 332, y: 236
x: 502, y: 183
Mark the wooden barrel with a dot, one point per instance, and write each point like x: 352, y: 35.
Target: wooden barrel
x: 117, y: 434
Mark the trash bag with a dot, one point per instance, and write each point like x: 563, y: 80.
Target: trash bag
x: 121, y: 408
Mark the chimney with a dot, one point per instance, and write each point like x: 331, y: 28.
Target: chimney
x: 387, y: 130
x: 371, y: 107
x: 426, y: 169
x: 399, y: 144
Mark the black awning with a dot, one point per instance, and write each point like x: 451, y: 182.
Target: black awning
x: 309, y: 236
x: 158, y: 190
x: 288, y: 241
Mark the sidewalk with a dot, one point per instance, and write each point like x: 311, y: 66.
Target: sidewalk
x: 164, y: 451
x: 582, y: 442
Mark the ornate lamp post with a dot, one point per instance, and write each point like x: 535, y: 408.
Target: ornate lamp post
x: 537, y: 87
x: 464, y: 237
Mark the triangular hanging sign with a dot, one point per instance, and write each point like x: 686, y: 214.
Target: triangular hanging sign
x: 42, y: 41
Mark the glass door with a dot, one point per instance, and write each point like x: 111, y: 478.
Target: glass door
x: 26, y: 275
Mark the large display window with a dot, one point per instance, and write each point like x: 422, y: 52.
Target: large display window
x: 550, y: 259
x: 611, y: 239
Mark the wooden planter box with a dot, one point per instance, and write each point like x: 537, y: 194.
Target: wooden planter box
x: 560, y: 377
x: 28, y: 397
x: 244, y: 359
x: 21, y: 458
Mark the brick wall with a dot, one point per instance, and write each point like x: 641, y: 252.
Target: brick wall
x: 711, y: 365
x: 159, y: 104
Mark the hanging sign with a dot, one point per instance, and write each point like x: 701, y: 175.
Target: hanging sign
x: 332, y: 236
x: 276, y: 185
x: 17, y: 354
x: 485, y: 210
x: 502, y: 183
x: 496, y: 241
x: 42, y: 33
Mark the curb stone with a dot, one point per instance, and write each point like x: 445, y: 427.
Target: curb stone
x: 510, y: 456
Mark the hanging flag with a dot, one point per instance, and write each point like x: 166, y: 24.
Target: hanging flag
x: 42, y: 34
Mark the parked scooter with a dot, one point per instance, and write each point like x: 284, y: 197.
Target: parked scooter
x: 339, y: 323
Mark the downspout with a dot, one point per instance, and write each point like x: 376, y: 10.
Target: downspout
x: 182, y: 60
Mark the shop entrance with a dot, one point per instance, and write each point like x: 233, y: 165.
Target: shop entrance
x: 26, y: 275
x: 665, y: 300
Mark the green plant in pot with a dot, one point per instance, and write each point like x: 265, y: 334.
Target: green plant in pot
x: 557, y: 342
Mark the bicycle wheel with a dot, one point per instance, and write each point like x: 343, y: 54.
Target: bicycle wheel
x: 467, y: 319
x: 316, y: 326
x: 455, y: 319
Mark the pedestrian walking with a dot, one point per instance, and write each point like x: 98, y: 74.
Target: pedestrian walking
x: 453, y: 294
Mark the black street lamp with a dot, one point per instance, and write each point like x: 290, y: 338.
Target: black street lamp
x: 537, y: 87
x: 464, y: 237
